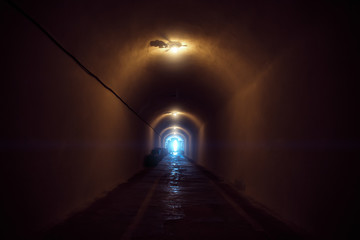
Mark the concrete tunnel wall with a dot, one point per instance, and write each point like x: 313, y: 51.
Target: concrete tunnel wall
x: 65, y: 140
x: 271, y: 86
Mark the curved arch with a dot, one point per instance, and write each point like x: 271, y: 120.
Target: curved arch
x: 156, y: 141
x: 189, y: 136
x: 187, y: 141
x: 163, y: 139
x: 177, y: 127
x: 175, y: 142
x: 176, y: 114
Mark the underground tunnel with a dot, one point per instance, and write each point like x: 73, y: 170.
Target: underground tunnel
x: 259, y: 95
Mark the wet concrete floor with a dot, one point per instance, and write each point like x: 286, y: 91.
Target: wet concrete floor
x: 174, y: 200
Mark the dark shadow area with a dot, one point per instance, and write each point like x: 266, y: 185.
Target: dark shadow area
x: 94, y: 221
x: 156, y: 155
x: 274, y: 228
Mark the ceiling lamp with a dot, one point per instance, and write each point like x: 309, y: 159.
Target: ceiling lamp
x: 172, y: 46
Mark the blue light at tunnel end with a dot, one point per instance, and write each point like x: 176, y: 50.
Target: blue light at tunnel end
x: 174, y: 144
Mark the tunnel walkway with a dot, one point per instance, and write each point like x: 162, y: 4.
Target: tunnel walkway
x: 175, y: 200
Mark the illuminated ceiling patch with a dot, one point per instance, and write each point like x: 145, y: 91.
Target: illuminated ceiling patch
x: 172, y: 46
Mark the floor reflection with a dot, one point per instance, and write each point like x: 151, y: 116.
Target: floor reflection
x: 173, y: 200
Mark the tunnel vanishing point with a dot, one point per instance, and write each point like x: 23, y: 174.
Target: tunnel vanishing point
x: 261, y: 94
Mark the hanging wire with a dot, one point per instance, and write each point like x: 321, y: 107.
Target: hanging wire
x: 16, y: 7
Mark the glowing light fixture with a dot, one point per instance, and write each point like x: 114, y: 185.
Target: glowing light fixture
x: 172, y: 46
x: 174, y: 114
x: 175, y: 145
x: 174, y: 49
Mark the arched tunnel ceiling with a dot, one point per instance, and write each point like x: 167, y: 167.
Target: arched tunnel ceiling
x: 177, y: 131
x: 185, y: 120
x: 188, y: 89
x: 168, y: 135
x: 229, y: 44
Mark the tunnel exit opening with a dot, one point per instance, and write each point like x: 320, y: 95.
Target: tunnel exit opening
x: 175, y: 144
x: 182, y: 124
